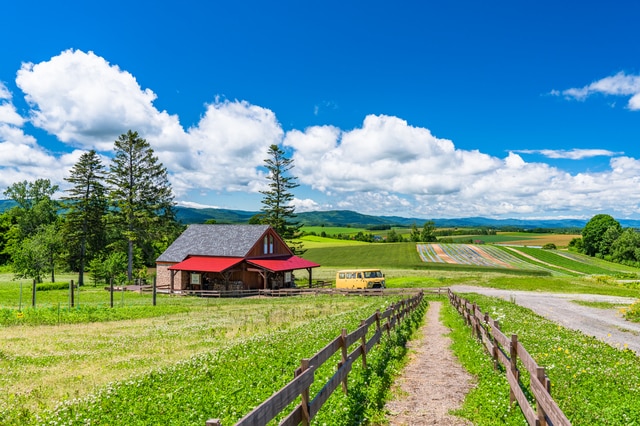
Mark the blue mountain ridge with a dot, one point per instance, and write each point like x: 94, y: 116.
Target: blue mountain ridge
x: 189, y: 215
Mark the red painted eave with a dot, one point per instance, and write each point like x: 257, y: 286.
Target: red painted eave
x: 206, y: 264
x: 283, y: 264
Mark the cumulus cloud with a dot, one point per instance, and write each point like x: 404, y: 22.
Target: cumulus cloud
x: 21, y: 158
x: 571, y: 154
x: 385, y: 166
x: 389, y: 167
x: 225, y: 150
x: 306, y: 205
x: 85, y: 101
x: 620, y: 84
x: 385, y: 154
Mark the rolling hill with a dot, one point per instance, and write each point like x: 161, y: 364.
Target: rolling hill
x: 354, y: 219
x: 189, y: 215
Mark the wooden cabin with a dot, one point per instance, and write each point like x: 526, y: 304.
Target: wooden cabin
x: 229, y: 257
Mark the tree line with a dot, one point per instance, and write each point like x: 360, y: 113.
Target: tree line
x: 603, y: 237
x: 425, y: 235
x: 112, y: 220
x: 115, y: 221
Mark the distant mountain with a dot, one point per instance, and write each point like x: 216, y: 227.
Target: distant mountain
x: 189, y: 215
x: 6, y: 205
x: 350, y: 218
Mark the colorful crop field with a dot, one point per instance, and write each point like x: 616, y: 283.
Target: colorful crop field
x: 471, y: 254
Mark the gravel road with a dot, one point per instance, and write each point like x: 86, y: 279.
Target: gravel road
x: 605, y: 324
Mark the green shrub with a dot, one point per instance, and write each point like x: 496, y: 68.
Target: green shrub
x: 53, y: 286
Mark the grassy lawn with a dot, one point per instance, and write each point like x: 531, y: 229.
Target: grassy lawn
x: 592, y: 382
x: 52, y: 353
x: 45, y: 364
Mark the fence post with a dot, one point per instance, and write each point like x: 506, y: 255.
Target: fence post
x: 542, y: 378
x: 472, y: 320
x: 71, y: 301
x: 213, y: 422
x: 363, y: 345
x: 111, y: 290
x: 513, y: 354
x: 343, y: 346
x: 496, y: 324
x: 304, y: 403
x: 33, y: 294
x: 154, y: 292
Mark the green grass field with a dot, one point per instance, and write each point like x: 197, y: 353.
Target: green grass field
x: 61, y: 364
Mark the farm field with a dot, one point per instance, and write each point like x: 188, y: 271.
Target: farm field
x: 522, y: 238
x: 43, y: 365
x: 98, y: 362
x: 554, y: 262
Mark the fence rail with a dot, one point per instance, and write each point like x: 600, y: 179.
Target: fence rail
x: 304, y: 375
x: 295, y: 291
x: 507, y: 351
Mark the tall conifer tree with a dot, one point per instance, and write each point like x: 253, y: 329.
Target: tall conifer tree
x: 141, y: 196
x: 87, y: 207
x: 277, y: 209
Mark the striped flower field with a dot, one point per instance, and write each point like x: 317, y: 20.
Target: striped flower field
x: 471, y: 254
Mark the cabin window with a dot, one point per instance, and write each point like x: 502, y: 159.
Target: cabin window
x: 268, y: 244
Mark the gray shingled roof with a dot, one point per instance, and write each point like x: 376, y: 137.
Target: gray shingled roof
x: 213, y: 240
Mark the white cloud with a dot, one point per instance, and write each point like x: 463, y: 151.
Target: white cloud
x: 225, y: 150
x: 86, y: 102
x: 21, y: 157
x: 620, y: 84
x: 572, y: 154
x: 8, y: 113
x: 193, y: 205
x: 385, y: 166
x: 306, y: 205
x: 389, y: 167
x: 385, y: 154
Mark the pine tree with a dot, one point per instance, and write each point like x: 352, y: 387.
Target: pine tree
x: 277, y: 209
x: 141, y: 197
x: 87, y: 207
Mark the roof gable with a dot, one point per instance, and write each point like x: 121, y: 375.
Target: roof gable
x: 214, y: 240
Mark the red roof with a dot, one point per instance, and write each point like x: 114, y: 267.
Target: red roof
x: 206, y: 264
x: 283, y: 264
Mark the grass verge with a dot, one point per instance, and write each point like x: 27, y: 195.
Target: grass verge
x: 592, y: 382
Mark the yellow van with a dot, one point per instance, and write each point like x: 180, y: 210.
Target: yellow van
x: 360, y: 278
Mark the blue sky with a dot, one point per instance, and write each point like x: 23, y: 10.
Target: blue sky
x: 412, y: 108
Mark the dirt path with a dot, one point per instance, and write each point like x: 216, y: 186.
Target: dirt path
x: 433, y: 382
x: 607, y: 325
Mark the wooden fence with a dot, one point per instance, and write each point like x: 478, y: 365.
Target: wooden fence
x: 507, y: 351
x: 304, y: 375
x: 296, y: 291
